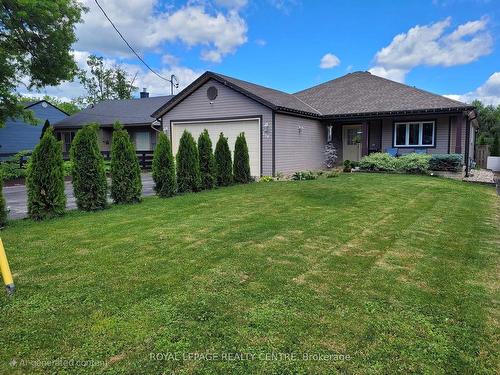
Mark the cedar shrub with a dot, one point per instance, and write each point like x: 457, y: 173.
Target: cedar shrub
x: 126, y: 185
x: 164, y: 168
x: 241, y: 166
x: 207, y: 161
x: 188, y: 164
x: 223, y: 162
x: 45, y: 179
x: 88, y: 174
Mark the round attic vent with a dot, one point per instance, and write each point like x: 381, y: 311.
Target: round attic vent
x: 212, y: 93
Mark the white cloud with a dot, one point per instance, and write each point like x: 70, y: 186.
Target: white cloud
x: 329, y: 61
x: 430, y: 45
x: 169, y: 59
x: 147, y: 27
x: 261, y: 42
x: 284, y: 6
x: 488, y: 92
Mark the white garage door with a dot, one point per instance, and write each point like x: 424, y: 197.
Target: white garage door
x: 231, y: 129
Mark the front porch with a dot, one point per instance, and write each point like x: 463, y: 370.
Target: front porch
x: 398, y: 135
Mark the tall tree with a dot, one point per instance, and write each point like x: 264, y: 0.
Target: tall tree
x: 207, y: 161
x: 88, y: 174
x: 104, y: 82
x: 489, y: 121
x: 164, y: 168
x: 223, y: 162
x: 188, y: 164
x: 241, y: 168
x: 45, y: 179
x: 35, y: 49
x: 126, y: 185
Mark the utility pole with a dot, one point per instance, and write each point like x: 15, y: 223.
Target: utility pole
x: 174, y: 82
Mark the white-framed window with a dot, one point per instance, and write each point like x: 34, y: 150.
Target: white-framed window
x: 415, y: 134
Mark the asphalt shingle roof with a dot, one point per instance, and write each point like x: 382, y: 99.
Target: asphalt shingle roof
x: 128, y: 112
x: 277, y: 98
x: 362, y: 92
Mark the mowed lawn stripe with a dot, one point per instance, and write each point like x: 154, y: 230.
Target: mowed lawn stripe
x: 393, y: 270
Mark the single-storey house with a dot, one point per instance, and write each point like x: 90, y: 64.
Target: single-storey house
x: 17, y: 135
x: 133, y: 114
x: 359, y: 113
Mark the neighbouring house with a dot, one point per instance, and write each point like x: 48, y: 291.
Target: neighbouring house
x: 133, y: 114
x: 18, y: 135
x: 359, y: 113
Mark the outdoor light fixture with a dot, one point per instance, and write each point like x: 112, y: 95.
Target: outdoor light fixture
x: 265, y: 129
x: 300, y: 129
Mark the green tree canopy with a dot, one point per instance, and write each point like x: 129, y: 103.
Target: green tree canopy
x: 103, y: 83
x: 126, y: 185
x: 223, y: 162
x: 164, y: 168
x: 45, y: 179
x: 88, y: 174
x: 188, y: 164
x: 207, y: 161
x: 35, y: 47
x: 489, y: 121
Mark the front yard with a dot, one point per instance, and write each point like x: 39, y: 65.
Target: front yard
x: 363, y: 273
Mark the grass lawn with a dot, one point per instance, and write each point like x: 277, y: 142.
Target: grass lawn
x: 395, y: 273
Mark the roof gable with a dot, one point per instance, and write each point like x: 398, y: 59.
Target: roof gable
x: 271, y: 98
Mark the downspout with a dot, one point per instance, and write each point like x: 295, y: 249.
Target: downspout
x: 467, y: 145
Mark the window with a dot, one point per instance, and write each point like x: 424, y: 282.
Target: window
x: 66, y: 137
x: 414, y: 134
x: 329, y: 134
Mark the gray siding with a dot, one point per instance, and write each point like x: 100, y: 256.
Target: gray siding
x: 296, y: 150
x: 442, y: 124
x: 229, y: 103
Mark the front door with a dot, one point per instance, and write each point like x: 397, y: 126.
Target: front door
x: 142, y: 141
x: 351, y: 136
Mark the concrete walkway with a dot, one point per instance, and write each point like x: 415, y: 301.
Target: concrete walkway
x: 17, y: 199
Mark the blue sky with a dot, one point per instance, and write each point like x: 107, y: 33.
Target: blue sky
x: 445, y: 46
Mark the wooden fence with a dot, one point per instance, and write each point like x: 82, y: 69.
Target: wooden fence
x: 482, y: 153
x: 145, y: 158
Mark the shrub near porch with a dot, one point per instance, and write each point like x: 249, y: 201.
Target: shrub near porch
x: 397, y: 271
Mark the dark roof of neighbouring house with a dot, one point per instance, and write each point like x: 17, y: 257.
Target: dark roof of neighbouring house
x: 355, y: 94
x: 127, y: 111
x: 364, y: 93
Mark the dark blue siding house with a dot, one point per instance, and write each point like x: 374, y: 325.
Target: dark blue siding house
x: 17, y: 135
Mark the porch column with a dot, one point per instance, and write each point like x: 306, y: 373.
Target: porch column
x: 458, y: 137
x: 364, y: 138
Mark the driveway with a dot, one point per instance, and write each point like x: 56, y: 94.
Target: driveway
x: 17, y: 199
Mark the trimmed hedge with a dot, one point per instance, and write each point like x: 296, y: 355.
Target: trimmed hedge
x: 126, y: 185
x: 378, y: 161
x: 87, y: 170
x: 45, y: 179
x: 223, y: 162
x: 164, y: 168
x: 413, y: 163
x: 188, y: 164
x: 207, y: 161
x: 241, y: 168
x: 446, y: 162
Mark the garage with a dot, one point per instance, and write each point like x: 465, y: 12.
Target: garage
x: 231, y: 129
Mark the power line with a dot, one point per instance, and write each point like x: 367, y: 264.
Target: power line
x: 171, y: 80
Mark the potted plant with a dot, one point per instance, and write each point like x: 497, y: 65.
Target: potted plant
x: 493, y: 162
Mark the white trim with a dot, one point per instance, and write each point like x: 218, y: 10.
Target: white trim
x: 420, y: 134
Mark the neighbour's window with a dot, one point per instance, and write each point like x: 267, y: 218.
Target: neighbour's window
x: 414, y: 134
x: 67, y: 138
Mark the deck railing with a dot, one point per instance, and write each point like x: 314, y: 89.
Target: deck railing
x: 145, y: 157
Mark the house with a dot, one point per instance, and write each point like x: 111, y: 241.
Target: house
x: 18, y: 135
x: 133, y: 114
x: 359, y: 113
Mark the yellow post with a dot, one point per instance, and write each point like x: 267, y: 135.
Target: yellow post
x: 5, y: 270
